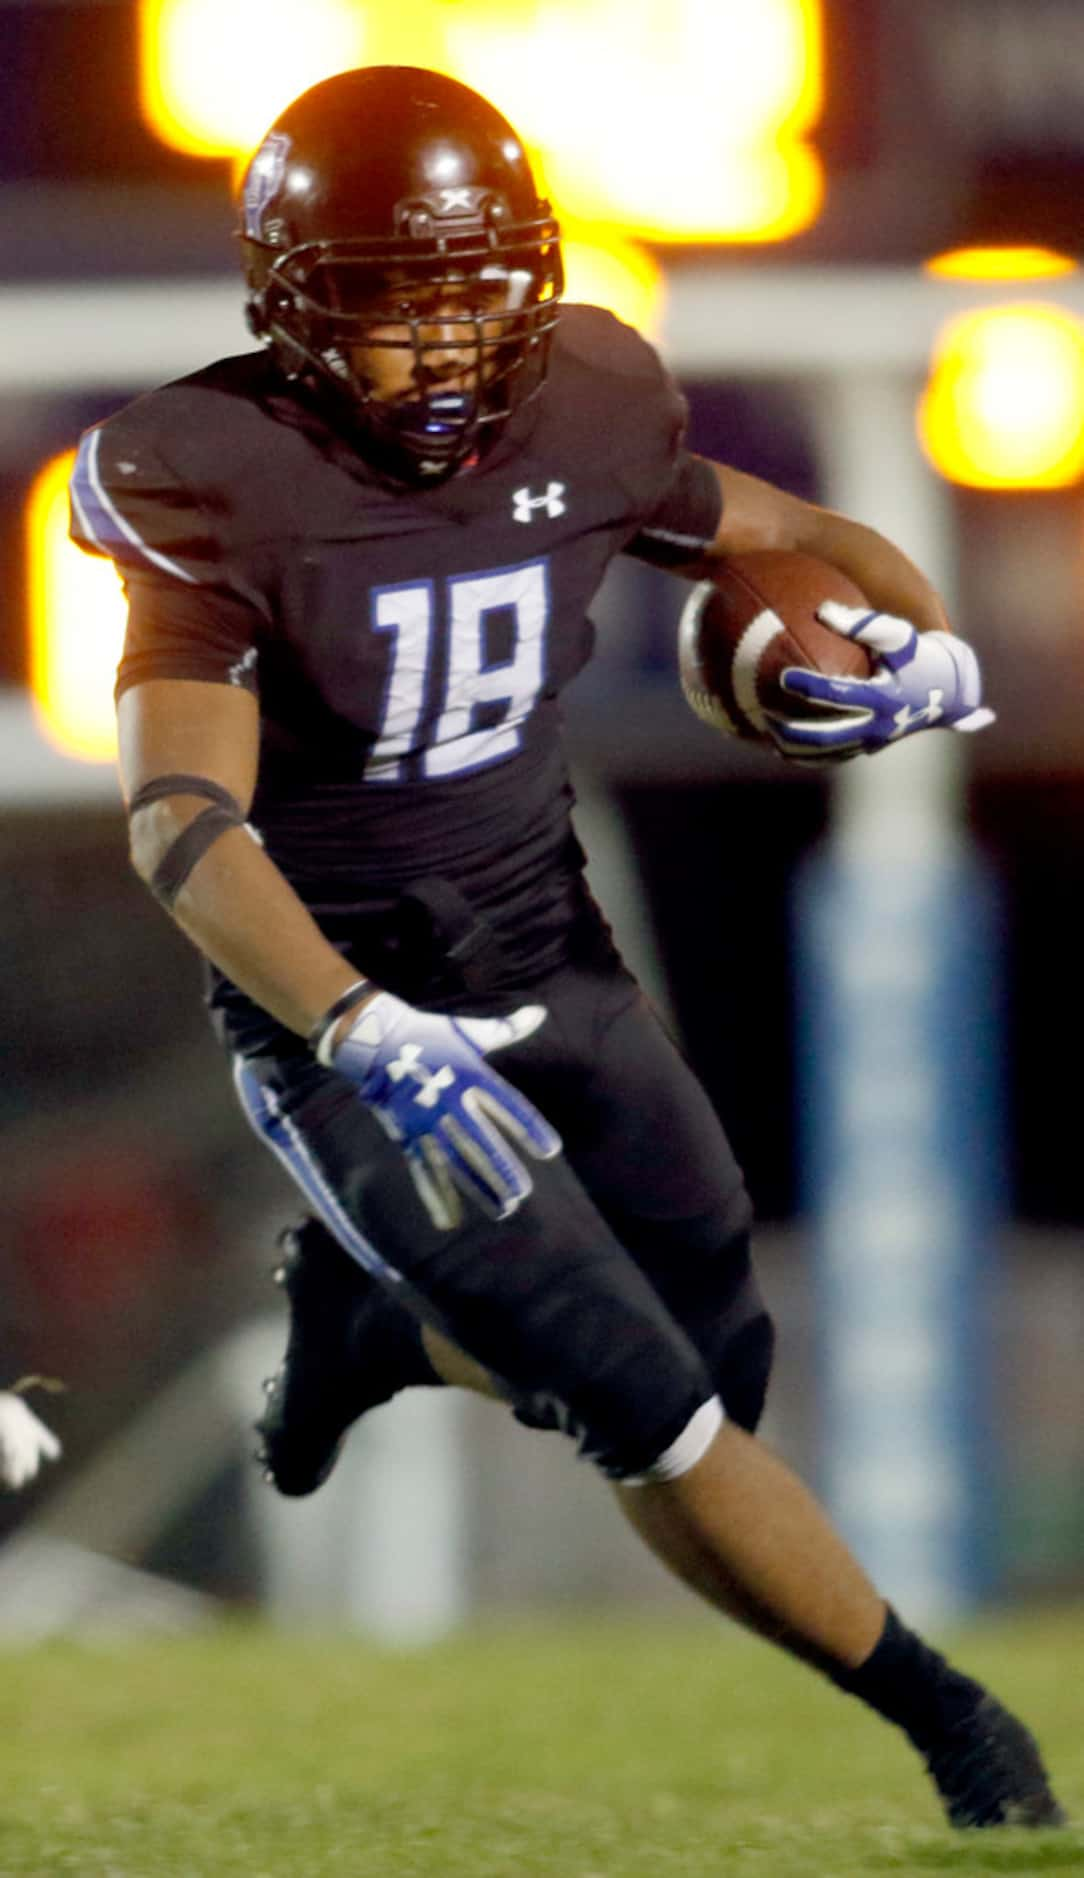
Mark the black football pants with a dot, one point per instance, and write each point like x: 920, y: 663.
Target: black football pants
x: 607, y: 1303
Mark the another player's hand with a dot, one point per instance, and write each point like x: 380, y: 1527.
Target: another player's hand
x: 920, y: 680
x: 426, y: 1079
x: 25, y: 1442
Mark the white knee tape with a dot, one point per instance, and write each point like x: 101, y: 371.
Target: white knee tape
x: 690, y: 1446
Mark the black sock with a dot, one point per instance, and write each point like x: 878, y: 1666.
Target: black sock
x: 911, y: 1684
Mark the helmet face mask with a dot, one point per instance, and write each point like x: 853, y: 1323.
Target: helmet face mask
x: 425, y: 361
x: 401, y: 263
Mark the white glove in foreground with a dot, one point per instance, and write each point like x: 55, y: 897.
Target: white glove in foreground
x: 25, y: 1442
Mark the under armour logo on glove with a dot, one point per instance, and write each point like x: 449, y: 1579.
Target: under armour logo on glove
x: 408, y: 1063
x: 524, y: 504
x: 905, y: 719
x: 921, y: 680
x: 426, y: 1080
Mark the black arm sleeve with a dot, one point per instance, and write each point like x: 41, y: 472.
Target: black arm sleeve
x: 193, y: 611
x: 204, y: 633
x: 685, y: 521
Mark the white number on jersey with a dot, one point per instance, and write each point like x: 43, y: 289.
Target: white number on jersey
x: 454, y: 743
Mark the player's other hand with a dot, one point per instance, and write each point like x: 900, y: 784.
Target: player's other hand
x: 25, y: 1442
x: 426, y: 1079
x: 920, y: 680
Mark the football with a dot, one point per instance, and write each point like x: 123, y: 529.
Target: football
x: 753, y: 618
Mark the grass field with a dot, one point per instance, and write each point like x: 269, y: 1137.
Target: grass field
x: 590, y: 1750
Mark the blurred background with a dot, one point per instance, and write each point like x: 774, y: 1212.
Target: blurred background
x: 853, y: 229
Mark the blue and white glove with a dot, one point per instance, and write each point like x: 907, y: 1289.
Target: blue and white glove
x: 921, y: 680
x: 426, y: 1080
x: 25, y: 1442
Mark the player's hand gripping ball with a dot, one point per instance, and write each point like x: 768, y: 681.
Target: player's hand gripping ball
x: 753, y: 620
x: 782, y: 647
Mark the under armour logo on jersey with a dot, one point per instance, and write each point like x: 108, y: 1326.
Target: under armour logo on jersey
x: 524, y: 504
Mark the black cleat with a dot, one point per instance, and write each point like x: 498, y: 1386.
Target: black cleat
x: 988, y: 1772
x: 344, y: 1354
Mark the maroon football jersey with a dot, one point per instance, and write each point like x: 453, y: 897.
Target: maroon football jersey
x: 407, y: 645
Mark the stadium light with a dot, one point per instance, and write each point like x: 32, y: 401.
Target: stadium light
x: 1015, y: 217
x: 608, y: 272
x: 1004, y: 404
x: 679, y: 123
x: 76, y: 624
x: 1000, y: 263
x: 214, y: 73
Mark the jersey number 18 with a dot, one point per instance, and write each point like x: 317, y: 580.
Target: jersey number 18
x: 451, y: 742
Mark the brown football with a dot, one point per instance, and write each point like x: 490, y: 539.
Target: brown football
x: 753, y: 618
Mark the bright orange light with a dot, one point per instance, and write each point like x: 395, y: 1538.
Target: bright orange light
x: 1020, y: 263
x: 1004, y: 406
x: 602, y: 270
x: 215, y: 73
x: 76, y: 617
x: 679, y: 121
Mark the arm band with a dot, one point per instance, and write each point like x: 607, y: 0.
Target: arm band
x: 193, y: 842
x: 178, y: 785
x: 322, y: 1032
x: 190, y: 846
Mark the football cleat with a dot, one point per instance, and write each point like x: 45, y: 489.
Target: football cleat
x: 344, y: 1355
x: 989, y: 1772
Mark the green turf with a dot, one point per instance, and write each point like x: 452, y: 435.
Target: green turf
x: 591, y: 1750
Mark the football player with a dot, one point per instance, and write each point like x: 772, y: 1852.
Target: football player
x: 25, y: 1441
x: 358, y: 563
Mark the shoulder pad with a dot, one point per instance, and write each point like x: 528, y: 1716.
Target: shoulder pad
x: 611, y: 398
x: 126, y: 504
x: 147, y: 491
x: 594, y: 337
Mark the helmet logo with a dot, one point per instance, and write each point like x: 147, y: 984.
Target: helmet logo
x: 464, y: 202
x: 458, y: 201
x: 262, y: 183
x: 524, y: 503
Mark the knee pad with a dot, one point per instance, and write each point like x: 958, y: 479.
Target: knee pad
x: 664, y: 1457
x: 744, y: 1369
x: 633, y: 1392
x: 714, y: 1294
x: 738, y: 1338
